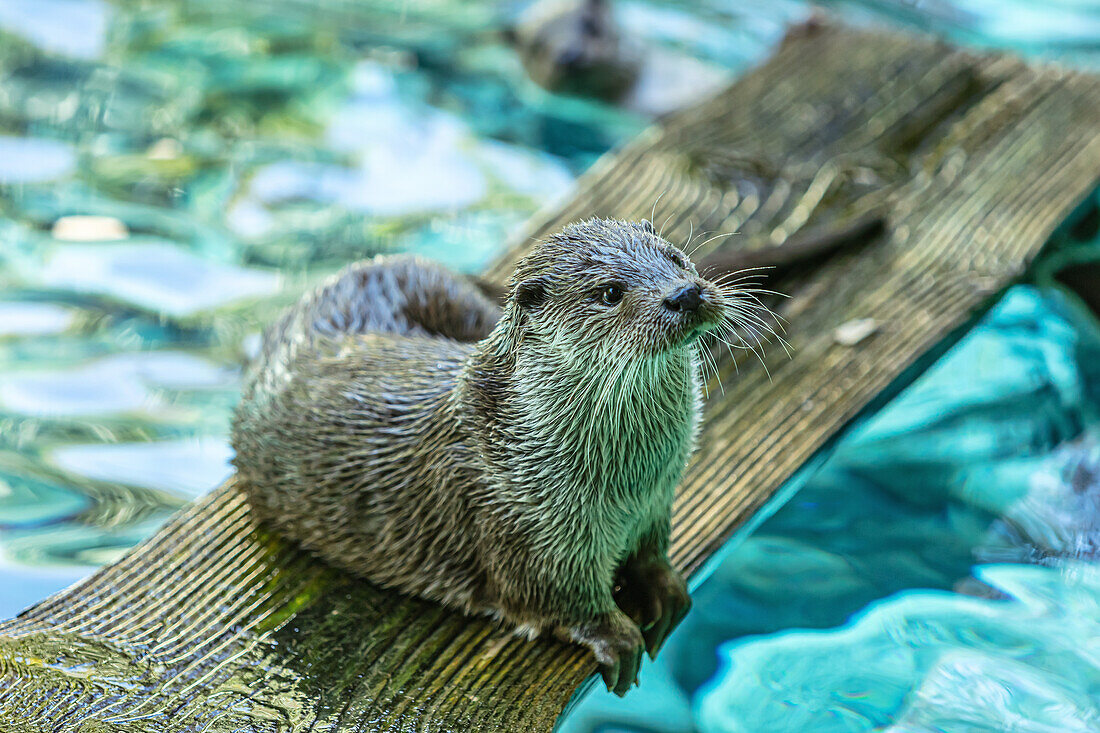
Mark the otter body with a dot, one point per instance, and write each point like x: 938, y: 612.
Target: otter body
x: 350, y: 421
x: 518, y: 462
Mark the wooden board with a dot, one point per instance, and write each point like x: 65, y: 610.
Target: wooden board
x: 213, y: 624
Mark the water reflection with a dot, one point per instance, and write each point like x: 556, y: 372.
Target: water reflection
x: 33, y: 160
x: 33, y: 319
x: 154, y: 275
x: 121, y: 383
x: 188, y: 467
x: 75, y: 28
x: 927, y: 661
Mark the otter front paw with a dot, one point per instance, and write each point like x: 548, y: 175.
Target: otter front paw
x: 655, y: 595
x: 618, y: 646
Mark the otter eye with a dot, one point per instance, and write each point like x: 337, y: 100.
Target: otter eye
x: 611, y: 294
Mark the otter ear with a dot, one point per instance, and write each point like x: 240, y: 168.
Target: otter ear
x: 647, y: 225
x: 531, y: 293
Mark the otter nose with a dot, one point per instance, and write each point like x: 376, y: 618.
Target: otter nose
x: 687, y: 299
x: 570, y: 57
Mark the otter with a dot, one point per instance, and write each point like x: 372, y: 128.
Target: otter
x: 517, y: 461
x: 576, y: 48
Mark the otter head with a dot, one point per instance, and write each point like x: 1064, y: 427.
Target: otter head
x: 605, y: 289
x: 596, y: 355
x: 575, y: 48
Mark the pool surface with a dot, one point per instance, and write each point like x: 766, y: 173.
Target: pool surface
x: 173, y: 172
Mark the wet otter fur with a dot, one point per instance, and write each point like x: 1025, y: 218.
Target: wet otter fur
x: 516, y: 462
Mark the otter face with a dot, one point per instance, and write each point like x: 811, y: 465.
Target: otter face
x: 576, y: 49
x: 611, y: 289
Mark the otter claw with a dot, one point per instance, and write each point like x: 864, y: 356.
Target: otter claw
x: 610, y: 674
x: 620, y: 674
x: 656, y: 597
x: 618, y: 646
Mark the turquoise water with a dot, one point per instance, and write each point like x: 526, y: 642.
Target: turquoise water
x: 936, y: 574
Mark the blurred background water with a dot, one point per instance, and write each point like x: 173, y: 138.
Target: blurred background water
x: 174, y: 171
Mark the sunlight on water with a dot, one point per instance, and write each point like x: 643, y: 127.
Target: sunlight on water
x: 70, y: 27
x: 30, y: 160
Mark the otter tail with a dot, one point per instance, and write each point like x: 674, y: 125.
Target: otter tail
x: 402, y: 295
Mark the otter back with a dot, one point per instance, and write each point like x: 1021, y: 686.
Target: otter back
x: 347, y: 420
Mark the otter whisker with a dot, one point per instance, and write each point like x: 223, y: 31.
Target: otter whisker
x: 754, y: 289
x: 746, y: 282
x: 756, y: 308
x: 653, y: 211
x: 747, y: 271
x: 757, y: 268
x: 762, y: 338
x: 733, y: 287
x: 704, y: 375
x: 752, y: 322
x: 686, y: 249
x: 661, y: 233
x: 760, y: 357
x: 729, y: 348
x: 708, y: 241
x: 714, y: 368
x: 750, y: 298
x: 745, y: 323
x: 752, y: 316
x: 706, y: 367
x: 741, y: 346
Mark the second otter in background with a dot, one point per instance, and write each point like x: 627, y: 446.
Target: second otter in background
x: 575, y: 47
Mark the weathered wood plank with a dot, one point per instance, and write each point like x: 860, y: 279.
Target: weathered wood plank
x: 214, y: 624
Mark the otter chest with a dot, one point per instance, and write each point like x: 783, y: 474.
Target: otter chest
x: 636, y: 482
